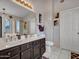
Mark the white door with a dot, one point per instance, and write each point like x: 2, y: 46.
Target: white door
x: 75, y: 29
x: 66, y: 29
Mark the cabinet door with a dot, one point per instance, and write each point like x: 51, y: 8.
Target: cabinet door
x: 0, y: 26
x: 36, y: 52
x: 4, y: 58
x: 66, y: 29
x: 26, y: 54
x: 75, y: 29
x: 15, y: 57
x: 42, y: 46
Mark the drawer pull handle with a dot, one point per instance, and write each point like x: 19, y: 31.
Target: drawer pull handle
x: 4, y: 56
x: 9, y: 54
x: 22, y: 54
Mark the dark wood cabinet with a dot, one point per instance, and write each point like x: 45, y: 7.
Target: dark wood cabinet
x: 17, y: 56
x: 42, y: 46
x: 26, y: 54
x: 36, y: 49
x: 27, y: 51
x: 26, y: 46
x: 9, y: 53
x: 0, y: 26
x: 3, y: 58
x: 30, y: 50
x: 36, y: 52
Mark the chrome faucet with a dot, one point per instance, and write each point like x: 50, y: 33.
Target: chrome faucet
x: 8, y: 38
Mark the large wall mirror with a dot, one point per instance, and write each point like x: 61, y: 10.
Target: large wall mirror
x: 17, y: 20
x: 21, y: 27
x: 8, y: 25
x: 17, y: 27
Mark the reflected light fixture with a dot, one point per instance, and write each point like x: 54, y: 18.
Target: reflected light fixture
x: 25, y: 3
x: 61, y: 1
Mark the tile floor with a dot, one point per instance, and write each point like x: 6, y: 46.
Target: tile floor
x: 74, y: 55
x: 56, y: 53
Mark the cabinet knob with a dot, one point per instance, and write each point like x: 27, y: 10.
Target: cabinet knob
x: 9, y: 53
x: 22, y: 54
x: 5, y: 56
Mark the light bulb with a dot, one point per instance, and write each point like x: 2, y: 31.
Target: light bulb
x: 25, y: 2
x: 22, y: 0
x: 29, y: 4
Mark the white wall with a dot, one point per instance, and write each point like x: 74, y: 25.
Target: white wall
x: 67, y: 4
x: 57, y: 36
x: 45, y: 8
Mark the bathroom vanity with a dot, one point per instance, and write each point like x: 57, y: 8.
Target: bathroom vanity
x: 25, y: 50
x: 18, y: 26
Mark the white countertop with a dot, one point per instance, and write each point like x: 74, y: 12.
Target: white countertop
x: 5, y: 45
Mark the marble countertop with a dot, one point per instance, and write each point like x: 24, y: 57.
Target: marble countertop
x: 6, y: 45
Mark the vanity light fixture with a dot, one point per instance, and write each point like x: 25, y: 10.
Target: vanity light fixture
x: 25, y: 3
x: 61, y: 1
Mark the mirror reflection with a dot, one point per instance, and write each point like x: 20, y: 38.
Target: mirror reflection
x: 7, y: 26
x: 16, y: 21
x: 17, y: 26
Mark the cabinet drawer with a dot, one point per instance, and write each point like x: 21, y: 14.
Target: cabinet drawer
x: 37, y: 42
x: 27, y: 54
x: 42, y: 42
x: 15, y: 57
x: 26, y: 46
x: 42, y: 45
x: 10, y: 52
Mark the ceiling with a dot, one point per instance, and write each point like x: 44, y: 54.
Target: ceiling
x: 67, y: 4
x: 13, y: 9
